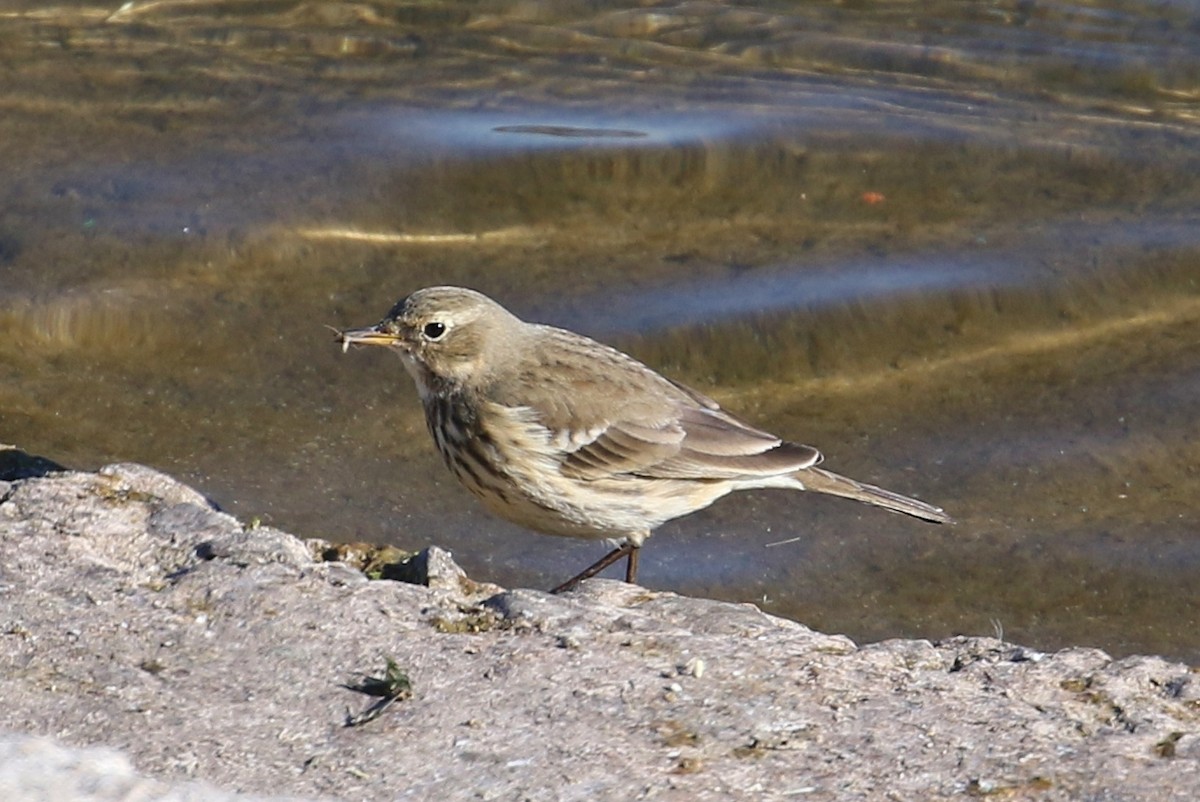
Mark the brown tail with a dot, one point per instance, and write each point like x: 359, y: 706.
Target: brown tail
x: 822, y: 481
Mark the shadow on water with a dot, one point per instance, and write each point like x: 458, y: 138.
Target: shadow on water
x: 957, y: 253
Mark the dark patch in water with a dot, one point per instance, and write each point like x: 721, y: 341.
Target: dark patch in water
x: 570, y: 131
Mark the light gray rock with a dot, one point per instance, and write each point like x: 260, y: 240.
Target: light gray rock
x: 136, y: 616
x: 34, y: 769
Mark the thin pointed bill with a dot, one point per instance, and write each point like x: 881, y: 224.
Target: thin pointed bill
x: 368, y: 336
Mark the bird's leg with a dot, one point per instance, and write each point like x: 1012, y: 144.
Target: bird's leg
x: 631, y: 565
x: 627, y: 550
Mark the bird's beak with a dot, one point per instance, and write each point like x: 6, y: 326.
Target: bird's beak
x: 374, y: 335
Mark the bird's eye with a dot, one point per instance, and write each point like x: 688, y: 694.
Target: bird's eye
x: 435, y: 330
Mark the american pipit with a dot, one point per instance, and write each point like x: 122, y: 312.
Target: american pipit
x: 567, y: 436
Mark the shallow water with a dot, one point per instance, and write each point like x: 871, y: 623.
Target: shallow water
x: 956, y: 247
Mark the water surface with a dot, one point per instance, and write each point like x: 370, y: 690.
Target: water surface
x: 955, y: 246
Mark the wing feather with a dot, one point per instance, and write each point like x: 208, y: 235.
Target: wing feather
x: 607, y: 415
x: 697, y: 444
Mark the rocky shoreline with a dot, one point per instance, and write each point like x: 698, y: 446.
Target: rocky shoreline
x: 156, y: 648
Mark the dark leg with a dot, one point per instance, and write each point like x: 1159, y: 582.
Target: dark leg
x: 628, y: 550
x: 631, y: 566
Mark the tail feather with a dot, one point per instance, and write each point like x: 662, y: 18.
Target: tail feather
x: 822, y: 481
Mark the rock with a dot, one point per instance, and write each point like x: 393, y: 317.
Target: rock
x: 40, y: 770
x: 136, y: 616
x: 17, y: 464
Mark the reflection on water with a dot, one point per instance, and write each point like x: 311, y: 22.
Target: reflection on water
x: 954, y: 247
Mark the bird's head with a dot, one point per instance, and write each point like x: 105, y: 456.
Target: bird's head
x: 443, y: 335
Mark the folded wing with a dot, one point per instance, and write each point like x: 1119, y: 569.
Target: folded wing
x: 695, y: 443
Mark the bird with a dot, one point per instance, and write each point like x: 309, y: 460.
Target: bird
x: 562, y: 434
